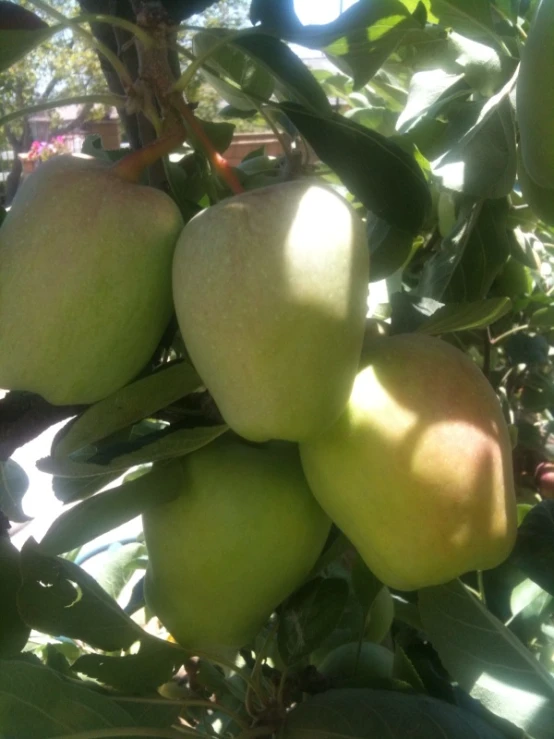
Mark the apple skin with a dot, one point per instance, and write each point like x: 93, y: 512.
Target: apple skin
x: 417, y: 471
x: 270, y: 290
x: 85, y: 280
x: 353, y: 665
x: 243, y: 534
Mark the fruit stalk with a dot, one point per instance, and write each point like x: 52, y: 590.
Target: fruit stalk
x: 220, y: 165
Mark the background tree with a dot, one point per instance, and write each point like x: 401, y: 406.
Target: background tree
x: 61, y: 67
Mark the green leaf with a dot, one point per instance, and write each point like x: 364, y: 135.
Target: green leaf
x: 59, y: 598
x: 366, y: 585
x: 386, y: 179
x: 487, y: 660
x: 389, y: 247
x: 148, y: 713
x: 543, y: 318
x: 365, y: 36
x: 534, y: 549
x: 15, y: 44
x: 36, y: 701
x: 71, y: 489
x: 403, y: 669
x: 92, y: 146
x: 13, y: 632
x: 471, y: 256
x: 249, y: 77
x: 13, y: 486
x: 429, y: 92
x: 128, y: 405
x: 140, y: 673
x: 114, y: 567
x: 482, y: 160
x: 372, y: 714
x: 106, y: 511
x: 409, y: 312
x: 171, y: 444
x: 220, y: 134
x: 465, y: 316
x: 471, y: 18
x: 309, y: 616
x: 293, y: 76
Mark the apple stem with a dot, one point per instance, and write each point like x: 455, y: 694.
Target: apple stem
x: 131, y: 167
x: 220, y: 165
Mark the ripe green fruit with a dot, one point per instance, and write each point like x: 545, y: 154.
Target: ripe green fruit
x: 417, y: 471
x: 353, y: 664
x: 270, y: 289
x: 535, y: 97
x: 85, y: 280
x: 243, y: 534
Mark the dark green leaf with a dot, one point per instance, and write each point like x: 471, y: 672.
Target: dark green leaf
x: 230, y: 62
x: 409, y: 311
x: 386, y: 179
x: 428, y: 93
x: 366, y: 585
x: 112, y: 568
x: 368, y: 714
x: 534, y: 550
x: 92, y: 146
x: 106, y: 511
x: 13, y: 632
x: 487, y: 660
x: 13, y: 486
x: 482, y: 161
x: 128, y: 405
x: 148, y: 713
x: 140, y: 673
x: 471, y: 18
x: 15, y: 44
x: 166, y: 446
x: 403, y: 669
x: 471, y: 256
x: 309, y: 616
x: 543, y: 318
x: 365, y: 36
x: 38, y: 702
x: 289, y: 70
x: 71, y: 489
x: 59, y: 598
x: 389, y: 247
x: 220, y: 134
x: 465, y: 316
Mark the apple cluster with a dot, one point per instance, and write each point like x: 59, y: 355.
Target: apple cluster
x: 407, y: 451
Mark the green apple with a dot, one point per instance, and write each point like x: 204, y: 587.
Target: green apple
x: 85, y: 280
x: 242, y: 535
x: 417, y: 471
x: 270, y: 290
x: 354, y: 664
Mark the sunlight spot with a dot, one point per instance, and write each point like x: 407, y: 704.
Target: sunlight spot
x: 322, y: 222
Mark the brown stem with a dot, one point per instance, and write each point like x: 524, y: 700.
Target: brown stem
x: 220, y: 165
x: 131, y: 167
